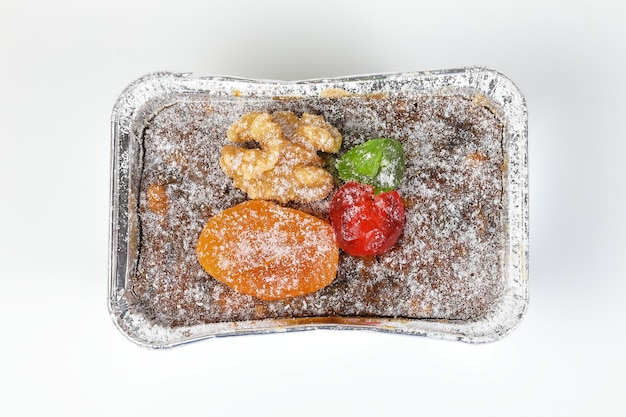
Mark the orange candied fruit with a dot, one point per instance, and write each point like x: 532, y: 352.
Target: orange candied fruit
x: 157, y: 198
x: 267, y: 251
x: 475, y: 158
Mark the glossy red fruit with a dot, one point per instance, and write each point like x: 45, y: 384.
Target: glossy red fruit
x: 365, y: 223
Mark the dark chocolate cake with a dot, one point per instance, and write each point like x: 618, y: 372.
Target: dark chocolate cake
x: 447, y: 264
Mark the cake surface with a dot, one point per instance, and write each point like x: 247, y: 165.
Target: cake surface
x: 447, y: 264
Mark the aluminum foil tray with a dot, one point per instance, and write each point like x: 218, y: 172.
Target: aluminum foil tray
x: 144, y: 99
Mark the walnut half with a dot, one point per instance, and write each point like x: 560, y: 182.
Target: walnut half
x: 286, y: 166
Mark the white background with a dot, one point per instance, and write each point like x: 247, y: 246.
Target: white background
x: 62, y: 65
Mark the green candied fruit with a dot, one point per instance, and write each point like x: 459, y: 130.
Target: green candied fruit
x: 377, y: 162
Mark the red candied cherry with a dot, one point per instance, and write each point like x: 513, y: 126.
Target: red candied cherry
x: 366, y: 223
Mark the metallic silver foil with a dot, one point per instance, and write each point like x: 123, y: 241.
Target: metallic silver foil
x: 141, y: 99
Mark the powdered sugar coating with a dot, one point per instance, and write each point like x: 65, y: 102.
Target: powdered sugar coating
x: 447, y: 264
